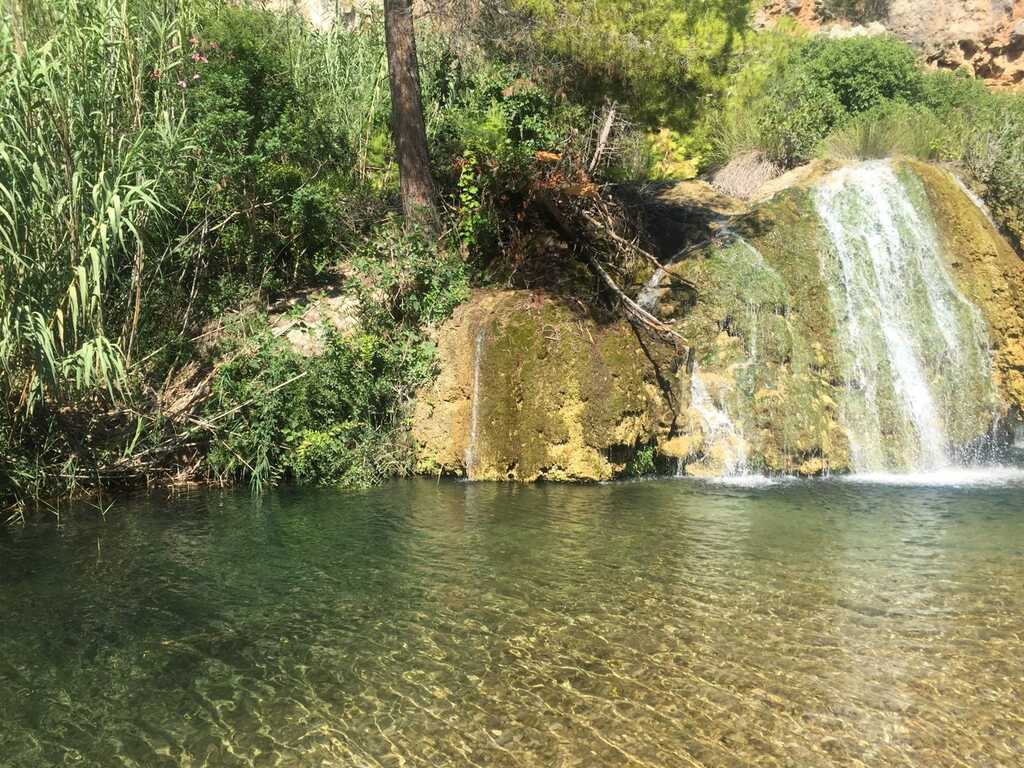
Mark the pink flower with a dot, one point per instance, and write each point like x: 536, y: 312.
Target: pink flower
x: 195, y: 76
x: 200, y: 58
x: 194, y: 40
x: 183, y: 84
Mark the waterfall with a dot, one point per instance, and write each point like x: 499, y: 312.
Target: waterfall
x: 915, y: 351
x: 723, y: 441
x: 470, y: 458
x: 648, y: 297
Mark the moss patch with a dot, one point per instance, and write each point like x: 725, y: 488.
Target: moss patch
x: 987, y: 270
x: 560, y: 396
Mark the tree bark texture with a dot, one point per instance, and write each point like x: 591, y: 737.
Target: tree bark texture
x: 407, y: 125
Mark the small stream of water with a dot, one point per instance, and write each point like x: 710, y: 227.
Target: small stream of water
x: 723, y: 440
x: 474, y: 408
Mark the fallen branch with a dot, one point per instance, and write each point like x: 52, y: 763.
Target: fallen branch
x: 602, y: 141
x: 593, y: 221
x: 635, y: 312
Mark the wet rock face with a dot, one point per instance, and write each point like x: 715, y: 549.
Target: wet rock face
x: 530, y: 387
x: 987, y: 270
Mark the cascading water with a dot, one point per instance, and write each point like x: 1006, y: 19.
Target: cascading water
x: 470, y: 458
x: 917, y: 359
x: 723, y: 441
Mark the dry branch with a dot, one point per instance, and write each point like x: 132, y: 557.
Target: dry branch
x: 632, y: 245
x: 635, y: 312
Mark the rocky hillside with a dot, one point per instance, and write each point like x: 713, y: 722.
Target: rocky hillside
x: 986, y: 37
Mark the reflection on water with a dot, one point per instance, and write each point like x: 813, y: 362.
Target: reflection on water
x: 664, y: 623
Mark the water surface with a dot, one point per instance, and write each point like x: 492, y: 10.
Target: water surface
x: 662, y: 623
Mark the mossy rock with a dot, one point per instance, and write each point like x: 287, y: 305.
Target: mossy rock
x: 988, y: 271
x: 558, y: 395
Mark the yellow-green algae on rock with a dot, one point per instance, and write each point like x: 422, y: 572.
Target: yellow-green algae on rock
x: 988, y: 271
x: 560, y: 396
x: 762, y: 325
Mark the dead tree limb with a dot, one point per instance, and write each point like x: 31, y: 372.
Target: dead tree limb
x: 633, y: 246
x: 602, y: 139
x: 635, y: 312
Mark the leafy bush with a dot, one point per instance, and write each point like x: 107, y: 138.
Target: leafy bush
x: 324, y: 420
x: 659, y: 57
x: 485, y: 141
x: 803, y: 90
x: 798, y: 113
x: 335, y: 418
x: 863, y: 71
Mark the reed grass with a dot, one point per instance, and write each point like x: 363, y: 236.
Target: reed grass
x: 82, y: 127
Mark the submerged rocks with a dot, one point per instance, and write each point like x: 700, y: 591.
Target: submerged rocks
x: 533, y: 387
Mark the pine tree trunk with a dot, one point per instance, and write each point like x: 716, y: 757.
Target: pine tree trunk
x: 407, y: 127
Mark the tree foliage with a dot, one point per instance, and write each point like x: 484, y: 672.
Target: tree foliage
x: 659, y: 56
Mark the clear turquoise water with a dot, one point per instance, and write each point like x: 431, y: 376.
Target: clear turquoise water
x: 662, y: 623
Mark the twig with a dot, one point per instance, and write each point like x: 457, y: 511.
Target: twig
x: 634, y: 310
x: 633, y: 246
x: 602, y: 140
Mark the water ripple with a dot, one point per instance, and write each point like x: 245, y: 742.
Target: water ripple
x: 667, y: 623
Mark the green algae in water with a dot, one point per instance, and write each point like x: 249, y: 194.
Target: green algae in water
x: 659, y: 623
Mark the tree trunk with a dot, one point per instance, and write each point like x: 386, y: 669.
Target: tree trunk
x: 407, y: 126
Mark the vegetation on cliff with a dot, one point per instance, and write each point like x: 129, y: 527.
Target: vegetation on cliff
x: 867, y: 97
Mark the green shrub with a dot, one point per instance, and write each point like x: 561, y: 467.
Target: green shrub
x: 863, y: 71
x: 798, y: 112
x: 325, y: 420
x: 801, y: 91
x: 284, y: 199
x: 642, y: 464
x: 944, y: 92
x: 335, y: 418
x: 660, y: 57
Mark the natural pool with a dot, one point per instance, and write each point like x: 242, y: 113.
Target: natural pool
x: 661, y: 623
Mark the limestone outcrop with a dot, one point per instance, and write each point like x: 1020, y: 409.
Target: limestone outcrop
x: 530, y: 388
x: 533, y: 387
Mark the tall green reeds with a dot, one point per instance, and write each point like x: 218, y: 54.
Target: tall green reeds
x: 83, y: 130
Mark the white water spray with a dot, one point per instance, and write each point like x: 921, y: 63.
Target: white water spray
x: 723, y: 441
x: 917, y: 362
